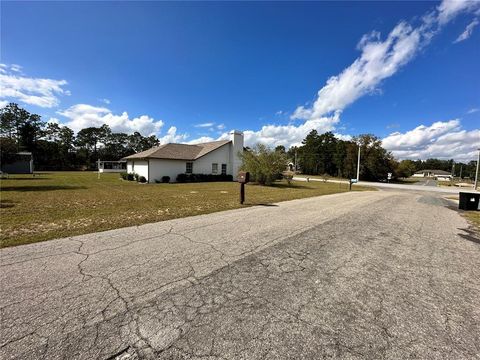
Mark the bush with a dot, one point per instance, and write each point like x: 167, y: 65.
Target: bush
x: 142, y: 179
x: 130, y: 176
x: 264, y: 165
x: 165, y: 179
x: 183, y: 178
x: 124, y: 175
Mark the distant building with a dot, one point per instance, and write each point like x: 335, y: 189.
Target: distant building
x: 111, y: 166
x: 23, y: 164
x: 439, y: 175
x: 216, y: 157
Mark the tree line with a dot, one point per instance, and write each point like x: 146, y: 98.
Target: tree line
x: 325, y: 154
x: 56, y: 147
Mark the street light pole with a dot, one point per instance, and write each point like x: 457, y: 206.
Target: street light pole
x: 358, y: 164
x: 476, y: 172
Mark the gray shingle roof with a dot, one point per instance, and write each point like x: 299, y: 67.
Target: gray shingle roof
x: 179, y: 151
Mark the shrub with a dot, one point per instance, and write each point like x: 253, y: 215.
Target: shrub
x: 142, y: 179
x: 124, y: 175
x: 182, y: 178
x: 165, y: 179
x: 130, y: 176
x: 265, y: 165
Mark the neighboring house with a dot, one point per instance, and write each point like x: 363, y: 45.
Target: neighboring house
x: 437, y: 174
x: 216, y: 157
x: 111, y: 166
x: 23, y: 164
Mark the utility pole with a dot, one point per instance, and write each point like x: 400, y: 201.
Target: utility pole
x: 476, y: 172
x: 295, y: 159
x: 358, y: 164
x: 461, y: 170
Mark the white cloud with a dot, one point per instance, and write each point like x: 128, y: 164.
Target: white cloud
x: 82, y: 115
x: 473, y: 111
x: 220, y: 127
x: 380, y: 60
x: 449, y: 9
x: 16, y: 68
x: 442, y: 139
x: 202, y: 139
x: 468, y: 31
x: 105, y: 101
x: 3, y: 103
x: 173, y: 137
x: 205, y: 125
x: 28, y: 90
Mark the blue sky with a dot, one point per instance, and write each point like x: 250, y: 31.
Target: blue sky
x: 193, y: 71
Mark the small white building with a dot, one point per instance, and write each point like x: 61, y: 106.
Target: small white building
x: 105, y: 166
x: 439, y: 175
x: 216, y: 157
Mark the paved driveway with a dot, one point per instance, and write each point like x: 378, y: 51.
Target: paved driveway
x: 361, y: 275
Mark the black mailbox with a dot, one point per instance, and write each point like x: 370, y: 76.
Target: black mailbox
x: 243, y: 177
x: 468, y: 201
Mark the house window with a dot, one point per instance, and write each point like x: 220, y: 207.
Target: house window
x: 224, y: 169
x: 214, y: 168
x: 189, y: 168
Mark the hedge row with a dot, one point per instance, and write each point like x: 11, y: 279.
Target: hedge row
x: 183, y: 178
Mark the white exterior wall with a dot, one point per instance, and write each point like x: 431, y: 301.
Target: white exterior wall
x: 163, y: 167
x: 139, y: 167
x: 220, y: 156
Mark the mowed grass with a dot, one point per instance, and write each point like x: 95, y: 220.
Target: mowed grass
x: 62, y: 204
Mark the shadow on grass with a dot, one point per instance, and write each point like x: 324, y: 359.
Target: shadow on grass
x: 6, y: 204
x: 26, y: 178
x: 470, y: 235
x: 264, y: 204
x: 282, y: 186
x: 41, y: 188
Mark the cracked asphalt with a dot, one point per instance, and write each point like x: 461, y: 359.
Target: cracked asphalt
x: 361, y: 275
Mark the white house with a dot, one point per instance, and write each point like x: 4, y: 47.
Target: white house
x: 440, y: 175
x: 216, y: 157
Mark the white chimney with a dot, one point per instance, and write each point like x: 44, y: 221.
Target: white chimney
x: 237, y: 148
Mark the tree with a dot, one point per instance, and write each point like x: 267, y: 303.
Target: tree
x: 88, y: 140
x: 405, y: 168
x: 264, y: 165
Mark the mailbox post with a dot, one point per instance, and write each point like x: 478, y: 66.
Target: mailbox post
x: 243, y: 178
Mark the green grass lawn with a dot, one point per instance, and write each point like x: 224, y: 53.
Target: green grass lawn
x: 60, y: 204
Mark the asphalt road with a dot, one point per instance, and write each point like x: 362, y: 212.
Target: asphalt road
x: 428, y: 185
x: 362, y: 275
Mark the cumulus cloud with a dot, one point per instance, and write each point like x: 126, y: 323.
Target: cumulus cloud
x: 468, y: 31
x: 83, y: 115
x: 28, y: 90
x: 172, y: 137
x: 442, y: 139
